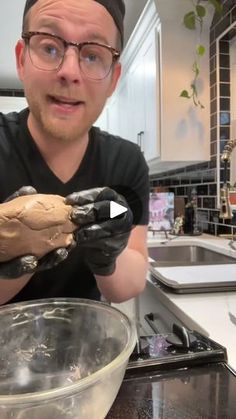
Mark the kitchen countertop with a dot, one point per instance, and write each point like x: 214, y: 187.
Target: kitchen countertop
x: 211, y: 313
x: 206, y: 391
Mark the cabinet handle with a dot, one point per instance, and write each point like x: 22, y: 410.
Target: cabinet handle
x: 142, y: 141
x: 140, y: 136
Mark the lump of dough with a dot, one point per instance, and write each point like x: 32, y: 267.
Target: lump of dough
x: 34, y: 224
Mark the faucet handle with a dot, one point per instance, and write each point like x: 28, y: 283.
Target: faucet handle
x: 228, y: 148
x: 225, y: 208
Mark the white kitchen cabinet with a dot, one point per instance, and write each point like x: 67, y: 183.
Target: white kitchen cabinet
x: 115, y: 117
x: 136, y: 102
x: 143, y: 97
x: 132, y: 108
x: 151, y: 135
x: 123, y: 114
x: 146, y: 107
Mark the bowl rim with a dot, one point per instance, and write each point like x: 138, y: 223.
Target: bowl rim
x: 83, y: 383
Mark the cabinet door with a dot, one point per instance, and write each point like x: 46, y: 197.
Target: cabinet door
x: 132, y: 109
x: 151, y: 138
x: 124, y: 109
x: 143, y: 97
x: 113, y: 117
x: 136, y: 100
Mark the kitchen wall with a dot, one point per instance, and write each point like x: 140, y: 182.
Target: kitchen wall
x: 204, y: 176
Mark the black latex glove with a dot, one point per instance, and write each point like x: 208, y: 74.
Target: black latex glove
x: 24, y: 190
x: 101, y: 237
x: 29, y: 264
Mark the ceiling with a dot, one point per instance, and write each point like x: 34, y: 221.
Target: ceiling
x: 10, y: 29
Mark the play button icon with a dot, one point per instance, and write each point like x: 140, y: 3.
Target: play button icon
x: 116, y: 209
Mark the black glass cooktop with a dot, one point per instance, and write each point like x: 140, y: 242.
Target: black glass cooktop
x: 203, y: 392
x: 183, y: 375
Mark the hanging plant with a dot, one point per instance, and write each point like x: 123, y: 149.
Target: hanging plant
x: 194, y: 20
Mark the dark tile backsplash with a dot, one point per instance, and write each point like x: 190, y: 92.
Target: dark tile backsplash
x: 12, y: 92
x: 203, y: 176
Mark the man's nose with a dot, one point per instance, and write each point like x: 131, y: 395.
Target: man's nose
x: 70, y: 68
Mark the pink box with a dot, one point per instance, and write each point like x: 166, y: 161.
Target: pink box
x: 161, y: 211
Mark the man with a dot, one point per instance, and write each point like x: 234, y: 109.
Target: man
x: 68, y: 63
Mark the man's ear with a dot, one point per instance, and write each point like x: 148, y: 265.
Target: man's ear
x: 19, y: 54
x: 116, y: 73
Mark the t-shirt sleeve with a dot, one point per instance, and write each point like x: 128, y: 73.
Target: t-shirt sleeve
x: 123, y: 168
x: 136, y: 186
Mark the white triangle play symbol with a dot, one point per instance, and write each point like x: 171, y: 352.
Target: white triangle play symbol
x: 116, y: 209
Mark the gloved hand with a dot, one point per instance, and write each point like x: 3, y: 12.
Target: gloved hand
x: 29, y: 264
x: 24, y: 190
x: 101, y: 237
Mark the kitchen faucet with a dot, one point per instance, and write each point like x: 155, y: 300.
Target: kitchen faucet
x: 225, y: 209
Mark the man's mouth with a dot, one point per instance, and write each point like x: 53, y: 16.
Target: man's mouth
x: 65, y: 101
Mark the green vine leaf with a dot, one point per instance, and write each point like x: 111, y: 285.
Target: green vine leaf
x: 217, y: 5
x: 185, y: 93
x: 194, y: 20
x: 190, y: 20
x: 201, y: 11
x: 200, y: 50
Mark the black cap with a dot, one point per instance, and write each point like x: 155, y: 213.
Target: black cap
x: 116, y: 8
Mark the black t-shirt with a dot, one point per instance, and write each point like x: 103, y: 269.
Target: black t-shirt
x: 108, y: 161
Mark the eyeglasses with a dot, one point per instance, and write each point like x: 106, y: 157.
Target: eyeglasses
x: 47, y: 52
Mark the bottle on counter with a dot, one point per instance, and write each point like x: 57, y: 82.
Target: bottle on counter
x: 190, y: 214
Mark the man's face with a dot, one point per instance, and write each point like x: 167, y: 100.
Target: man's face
x: 64, y: 103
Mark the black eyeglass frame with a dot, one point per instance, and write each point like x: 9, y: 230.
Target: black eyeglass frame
x: 26, y: 36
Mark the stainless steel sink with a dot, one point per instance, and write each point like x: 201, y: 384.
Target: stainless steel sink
x: 179, y: 255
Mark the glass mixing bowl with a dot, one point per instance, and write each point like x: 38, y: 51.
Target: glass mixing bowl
x: 62, y: 358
